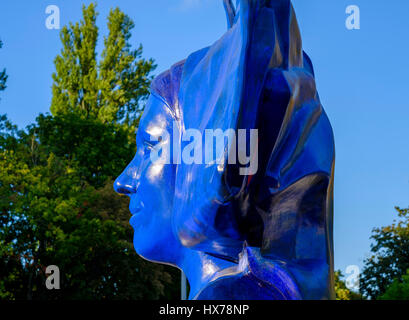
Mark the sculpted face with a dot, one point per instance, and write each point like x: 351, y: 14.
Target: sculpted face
x: 150, y: 186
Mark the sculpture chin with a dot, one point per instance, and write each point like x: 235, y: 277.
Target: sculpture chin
x: 145, y: 243
x: 148, y: 249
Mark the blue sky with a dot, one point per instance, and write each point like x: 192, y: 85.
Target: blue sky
x: 362, y: 78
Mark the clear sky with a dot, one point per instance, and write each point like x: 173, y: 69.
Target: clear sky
x: 362, y: 78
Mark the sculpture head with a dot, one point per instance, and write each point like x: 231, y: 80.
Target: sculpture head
x: 256, y: 79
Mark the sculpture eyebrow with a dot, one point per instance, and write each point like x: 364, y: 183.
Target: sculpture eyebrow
x: 147, y: 139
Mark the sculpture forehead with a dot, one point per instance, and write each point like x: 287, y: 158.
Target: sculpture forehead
x: 156, y: 114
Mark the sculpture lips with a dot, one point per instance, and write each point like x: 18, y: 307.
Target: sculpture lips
x: 135, y: 207
x: 135, y: 220
x: 135, y: 211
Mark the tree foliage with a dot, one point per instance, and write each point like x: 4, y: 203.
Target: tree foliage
x: 398, y: 290
x: 100, y: 150
x: 54, y: 213
x: 390, y: 257
x: 112, y: 89
x: 57, y: 204
x: 341, y: 290
x: 3, y: 75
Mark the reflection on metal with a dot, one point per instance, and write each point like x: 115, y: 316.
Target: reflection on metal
x: 264, y: 236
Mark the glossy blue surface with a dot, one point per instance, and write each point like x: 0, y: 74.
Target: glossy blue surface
x: 264, y: 236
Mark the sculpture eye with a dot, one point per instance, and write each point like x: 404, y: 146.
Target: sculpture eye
x: 150, y: 141
x: 148, y: 145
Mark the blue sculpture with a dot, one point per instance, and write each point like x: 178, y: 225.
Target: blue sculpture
x: 238, y: 234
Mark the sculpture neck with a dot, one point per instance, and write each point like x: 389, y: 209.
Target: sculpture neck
x: 200, y: 268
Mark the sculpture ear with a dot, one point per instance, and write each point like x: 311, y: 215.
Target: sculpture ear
x: 230, y: 12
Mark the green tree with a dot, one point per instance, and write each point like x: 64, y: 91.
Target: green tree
x: 390, y: 257
x: 3, y: 75
x: 57, y: 204
x: 398, y: 290
x: 51, y: 215
x: 112, y: 89
x: 341, y: 290
x: 101, y: 150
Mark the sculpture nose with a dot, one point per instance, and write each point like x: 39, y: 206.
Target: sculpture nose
x: 124, y: 184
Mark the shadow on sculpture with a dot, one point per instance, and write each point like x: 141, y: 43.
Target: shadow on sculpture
x: 262, y: 235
